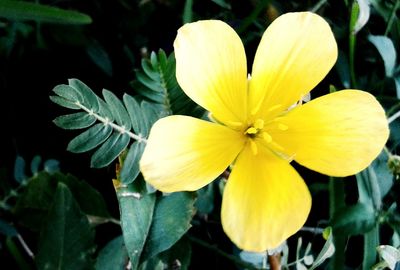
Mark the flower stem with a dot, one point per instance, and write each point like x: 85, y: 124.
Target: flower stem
x: 274, y: 261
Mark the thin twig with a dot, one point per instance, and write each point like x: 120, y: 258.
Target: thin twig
x: 274, y: 261
x: 25, y: 246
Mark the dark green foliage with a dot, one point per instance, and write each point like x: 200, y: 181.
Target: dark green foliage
x: 66, y: 240
x: 157, y: 83
x: 113, y: 256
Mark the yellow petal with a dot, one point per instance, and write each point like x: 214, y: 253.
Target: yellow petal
x: 295, y: 54
x: 185, y: 153
x: 338, y: 134
x: 211, y: 68
x: 265, y: 201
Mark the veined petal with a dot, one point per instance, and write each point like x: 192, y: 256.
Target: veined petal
x: 295, y: 54
x: 185, y: 153
x: 338, y: 134
x: 265, y: 201
x: 211, y: 68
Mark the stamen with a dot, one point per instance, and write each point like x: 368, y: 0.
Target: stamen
x: 254, y: 147
x: 251, y: 130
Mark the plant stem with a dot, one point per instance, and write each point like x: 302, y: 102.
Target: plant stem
x: 392, y: 17
x: 393, y: 117
x: 274, y: 261
x: 230, y: 257
x: 352, y: 43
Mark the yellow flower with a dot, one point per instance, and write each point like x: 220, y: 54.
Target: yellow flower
x: 265, y: 200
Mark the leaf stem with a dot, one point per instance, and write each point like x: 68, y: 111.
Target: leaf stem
x: 392, y: 17
x: 106, y: 121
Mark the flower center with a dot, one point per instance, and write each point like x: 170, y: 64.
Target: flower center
x: 259, y: 136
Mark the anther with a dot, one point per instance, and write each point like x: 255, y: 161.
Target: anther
x: 251, y: 130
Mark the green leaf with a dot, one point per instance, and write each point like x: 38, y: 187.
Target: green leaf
x: 89, y: 139
x: 386, y: 49
x: 355, y: 219
x: 69, y: 93
x: 180, y: 254
x: 135, y: 114
x: 136, y: 208
x: 75, y: 121
x: 21, y: 11
x: 130, y: 169
x: 33, y: 203
x: 89, y: 97
x: 110, y: 150
x: 64, y: 103
x: 327, y: 250
x: 66, y: 240
x: 172, y: 216
x: 150, y: 114
x: 187, y: 16
x: 117, y: 109
x: 113, y: 256
x: 222, y: 3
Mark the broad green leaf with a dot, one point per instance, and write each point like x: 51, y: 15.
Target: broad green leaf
x: 33, y: 203
x: 110, y: 150
x: 355, y: 219
x: 180, y: 254
x: 368, y: 188
x: 135, y: 114
x: 136, y: 209
x: 75, y: 121
x: 100, y: 57
x: 130, y: 169
x: 327, y: 250
x: 172, y: 216
x: 21, y: 11
x: 386, y: 49
x: 66, y: 240
x: 89, y: 139
x: 343, y: 69
x: 389, y: 254
x: 154, y: 263
x: 113, y: 256
x: 19, y: 169
x: 89, y: 97
x: 383, y: 173
x: 63, y: 102
x: 69, y: 93
x: 117, y: 109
